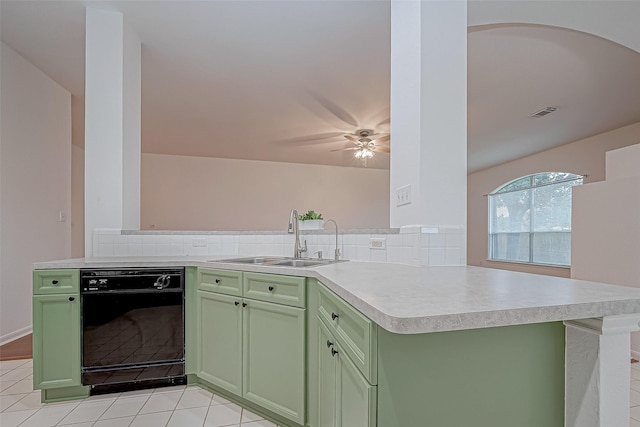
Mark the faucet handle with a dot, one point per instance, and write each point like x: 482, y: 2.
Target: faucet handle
x: 304, y: 249
x: 337, y: 254
x: 319, y: 253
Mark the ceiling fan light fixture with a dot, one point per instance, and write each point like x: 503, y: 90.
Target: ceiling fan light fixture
x: 364, y: 153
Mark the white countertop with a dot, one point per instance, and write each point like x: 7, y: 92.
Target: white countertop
x: 408, y: 300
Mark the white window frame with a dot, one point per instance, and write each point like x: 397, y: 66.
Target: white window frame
x: 504, y: 189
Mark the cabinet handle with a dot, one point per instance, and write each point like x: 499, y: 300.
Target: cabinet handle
x: 244, y: 304
x: 334, y: 352
x: 72, y: 299
x: 329, y: 343
x: 334, y: 316
x: 217, y: 280
x: 55, y: 282
x: 271, y: 288
x: 237, y: 302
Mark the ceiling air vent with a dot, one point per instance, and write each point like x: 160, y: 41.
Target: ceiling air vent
x: 543, y: 112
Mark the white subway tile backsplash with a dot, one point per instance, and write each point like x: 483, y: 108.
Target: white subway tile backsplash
x: 424, y: 256
x: 149, y: 239
x: 363, y: 253
x: 149, y: 249
x: 378, y: 255
x: 177, y: 249
x: 362, y: 239
x: 412, y: 248
x: 436, y: 256
x: 437, y: 240
x: 106, y: 249
x: 120, y: 249
x: 163, y: 249
x: 394, y: 240
x: 135, y: 249
x: 105, y: 238
x: 408, y: 239
x: 133, y: 238
x: 453, y: 240
x: 452, y: 256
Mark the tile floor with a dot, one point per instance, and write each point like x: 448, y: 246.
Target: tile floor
x: 171, y: 406
x: 180, y: 406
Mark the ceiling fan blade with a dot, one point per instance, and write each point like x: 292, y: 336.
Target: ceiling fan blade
x: 337, y: 111
x: 309, y: 139
x: 383, y: 139
x: 380, y: 149
x: 352, y: 138
x: 347, y: 149
x: 378, y: 136
x: 385, y: 122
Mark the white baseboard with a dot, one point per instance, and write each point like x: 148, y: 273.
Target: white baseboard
x: 15, y: 335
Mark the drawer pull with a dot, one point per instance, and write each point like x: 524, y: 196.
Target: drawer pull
x: 237, y: 302
x: 217, y: 280
x: 334, y: 316
x: 329, y: 343
x: 55, y: 282
x: 271, y: 288
x: 334, y: 352
x: 244, y: 304
x: 72, y: 299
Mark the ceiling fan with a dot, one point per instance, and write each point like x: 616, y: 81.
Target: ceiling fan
x: 367, y: 143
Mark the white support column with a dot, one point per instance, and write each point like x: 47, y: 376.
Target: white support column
x: 112, y: 124
x: 429, y: 121
x: 597, y: 371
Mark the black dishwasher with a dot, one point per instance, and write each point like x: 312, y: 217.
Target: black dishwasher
x: 132, y: 328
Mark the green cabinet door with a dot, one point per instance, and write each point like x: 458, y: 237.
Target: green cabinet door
x: 345, y: 397
x: 326, y: 378
x: 274, y: 355
x: 356, y: 398
x: 56, y: 341
x: 219, y: 325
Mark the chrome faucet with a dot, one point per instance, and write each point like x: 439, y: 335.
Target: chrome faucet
x: 298, y: 250
x: 336, y: 253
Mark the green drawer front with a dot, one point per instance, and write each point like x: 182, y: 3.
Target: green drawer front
x: 287, y: 290
x: 222, y: 281
x: 46, y: 282
x: 355, y: 332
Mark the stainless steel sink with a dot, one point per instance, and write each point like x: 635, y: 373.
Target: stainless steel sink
x: 279, y: 261
x: 302, y: 263
x: 253, y: 260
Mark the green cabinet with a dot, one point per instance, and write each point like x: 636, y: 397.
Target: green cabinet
x: 273, y: 356
x: 56, y: 329
x: 254, y: 348
x: 345, y: 397
x: 219, y: 340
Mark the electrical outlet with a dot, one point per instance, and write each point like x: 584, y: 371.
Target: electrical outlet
x: 377, y: 243
x: 199, y: 242
x: 403, y: 195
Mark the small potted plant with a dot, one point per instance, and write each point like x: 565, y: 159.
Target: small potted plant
x: 311, y: 220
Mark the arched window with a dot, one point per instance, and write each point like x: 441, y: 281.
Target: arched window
x: 530, y: 219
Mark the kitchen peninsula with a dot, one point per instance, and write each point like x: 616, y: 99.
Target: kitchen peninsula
x: 443, y: 346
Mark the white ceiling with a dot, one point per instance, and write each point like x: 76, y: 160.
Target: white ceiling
x: 262, y: 80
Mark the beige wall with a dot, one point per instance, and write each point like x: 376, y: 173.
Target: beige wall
x: 199, y: 193
x: 35, y: 184
x: 77, y: 176
x: 586, y: 156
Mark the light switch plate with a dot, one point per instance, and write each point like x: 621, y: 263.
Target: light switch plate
x: 403, y: 195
